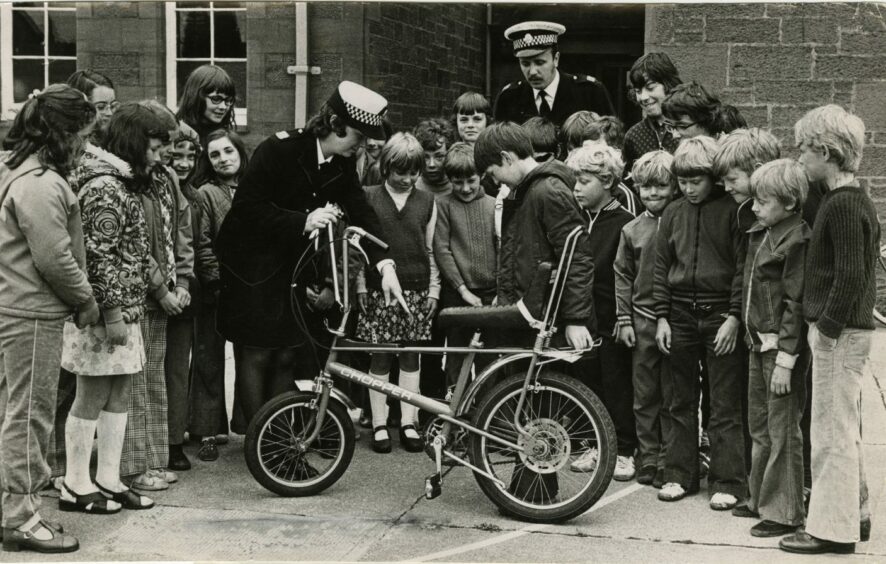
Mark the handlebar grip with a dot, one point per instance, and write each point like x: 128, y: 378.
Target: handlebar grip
x: 363, y: 233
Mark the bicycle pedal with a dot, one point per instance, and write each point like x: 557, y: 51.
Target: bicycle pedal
x: 433, y: 486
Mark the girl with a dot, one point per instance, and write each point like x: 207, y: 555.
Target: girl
x: 207, y: 100
x: 471, y: 114
x: 101, y: 94
x: 218, y: 172
x: 408, y: 217
x: 42, y: 281
x: 118, y: 264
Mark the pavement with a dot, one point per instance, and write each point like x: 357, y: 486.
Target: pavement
x: 377, y: 512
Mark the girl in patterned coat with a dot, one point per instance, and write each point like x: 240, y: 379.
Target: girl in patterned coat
x: 407, y: 217
x: 105, y: 356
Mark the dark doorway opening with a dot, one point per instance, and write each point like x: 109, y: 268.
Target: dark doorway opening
x: 602, y: 40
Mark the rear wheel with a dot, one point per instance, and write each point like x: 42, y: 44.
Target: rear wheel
x: 566, y: 425
x: 277, y: 456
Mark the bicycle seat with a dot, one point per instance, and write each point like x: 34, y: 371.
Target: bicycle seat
x: 516, y: 316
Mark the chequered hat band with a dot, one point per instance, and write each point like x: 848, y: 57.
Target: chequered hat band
x: 362, y: 115
x: 535, y: 41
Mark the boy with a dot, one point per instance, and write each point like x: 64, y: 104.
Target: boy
x: 573, y: 130
x: 651, y: 78
x: 598, y: 170
x: 741, y: 152
x: 610, y: 131
x: 464, y: 246
x: 436, y: 135
x: 634, y: 266
x: 543, y: 134
x: 697, y: 295
x: 773, y: 319
x: 838, y: 301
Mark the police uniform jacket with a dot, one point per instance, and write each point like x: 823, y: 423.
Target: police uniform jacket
x: 516, y: 101
x: 262, y: 237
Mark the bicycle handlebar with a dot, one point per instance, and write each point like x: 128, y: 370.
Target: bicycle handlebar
x: 360, y: 232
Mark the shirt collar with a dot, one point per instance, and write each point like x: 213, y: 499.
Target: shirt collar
x: 550, y: 90
x: 321, y: 158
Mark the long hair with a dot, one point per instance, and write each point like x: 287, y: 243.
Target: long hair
x: 129, y: 135
x: 203, y: 171
x: 48, y: 125
x: 87, y: 80
x: 203, y: 81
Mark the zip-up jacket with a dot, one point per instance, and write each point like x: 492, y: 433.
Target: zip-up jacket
x: 215, y: 203
x: 699, y: 255
x: 773, y: 288
x: 604, y: 230
x: 537, y: 216
x: 634, y: 266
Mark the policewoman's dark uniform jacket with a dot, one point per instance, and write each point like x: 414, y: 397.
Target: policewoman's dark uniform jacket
x: 516, y: 101
x: 263, y: 236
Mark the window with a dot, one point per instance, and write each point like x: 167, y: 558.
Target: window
x: 198, y: 33
x: 38, y: 47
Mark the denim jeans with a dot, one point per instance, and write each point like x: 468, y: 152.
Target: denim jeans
x: 839, y: 498
x: 30, y: 361
x: 653, y: 422
x: 692, y: 338
x: 776, y: 479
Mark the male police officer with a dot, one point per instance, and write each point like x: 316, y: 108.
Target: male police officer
x: 546, y: 91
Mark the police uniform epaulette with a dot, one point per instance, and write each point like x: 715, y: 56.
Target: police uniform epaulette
x: 583, y: 78
x: 282, y: 135
x: 512, y: 85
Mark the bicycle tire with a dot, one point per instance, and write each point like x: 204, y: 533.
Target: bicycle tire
x: 880, y: 277
x: 579, y: 420
x: 271, y: 445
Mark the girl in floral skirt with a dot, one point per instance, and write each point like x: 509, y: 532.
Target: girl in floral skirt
x: 408, y: 217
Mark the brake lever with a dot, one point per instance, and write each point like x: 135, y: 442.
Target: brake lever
x: 354, y: 240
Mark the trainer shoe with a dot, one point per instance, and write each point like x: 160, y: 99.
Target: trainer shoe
x: 671, y: 491
x: 624, y: 469
x: 723, y: 501
x: 586, y: 462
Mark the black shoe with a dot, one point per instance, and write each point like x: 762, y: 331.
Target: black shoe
x: 742, y: 510
x: 177, y: 458
x: 408, y: 443
x: 768, y: 528
x: 208, y: 450
x: 365, y: 421
x: 802, y: 542
x: 646, y: 475
x: 383, y: 446
x: 658, y: 481
x: 864, y: 530
x: 15, y: 540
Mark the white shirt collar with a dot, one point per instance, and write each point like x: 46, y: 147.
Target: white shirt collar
x: 550, y: 91
x: 321, y: 158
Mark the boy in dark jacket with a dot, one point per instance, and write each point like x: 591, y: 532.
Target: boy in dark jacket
x: 773, y: 319
x: 598, y: 168
x: 697, y: 294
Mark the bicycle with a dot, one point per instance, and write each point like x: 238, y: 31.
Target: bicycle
x: 518, y: 434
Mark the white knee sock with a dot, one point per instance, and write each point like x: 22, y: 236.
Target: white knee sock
x: 409, y: 382
x: 79, y: 434
x: 379, y: 402
x: 111, y: 430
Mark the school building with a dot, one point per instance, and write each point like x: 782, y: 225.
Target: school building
x: 773, y: 61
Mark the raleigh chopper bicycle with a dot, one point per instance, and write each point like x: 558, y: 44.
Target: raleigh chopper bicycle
x: 518, y: 426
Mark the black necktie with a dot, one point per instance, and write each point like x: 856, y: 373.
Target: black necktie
x: 544, y: 110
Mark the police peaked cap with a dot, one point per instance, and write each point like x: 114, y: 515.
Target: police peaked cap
x: 360, y: 108
x: 532, y: 38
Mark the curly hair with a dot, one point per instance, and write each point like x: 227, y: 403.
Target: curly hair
x: 203, y: 81
x: 434, y: 133
x: 49, y: 125
x: 203, y: 171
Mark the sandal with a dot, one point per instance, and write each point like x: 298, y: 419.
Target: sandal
x: 127, y: 498
x: 93, y: 502
x: 166, y: 475
x: 148, y: 483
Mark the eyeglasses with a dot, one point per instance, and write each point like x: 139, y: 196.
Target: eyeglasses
x: 219, y: 100
x: 107, y: 106
x: 672, y: 127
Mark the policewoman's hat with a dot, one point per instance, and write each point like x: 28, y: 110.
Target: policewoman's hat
x: 532, y: 38
x: 360, y: 108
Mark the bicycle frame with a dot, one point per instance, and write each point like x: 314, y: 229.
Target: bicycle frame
x: 464, y: 394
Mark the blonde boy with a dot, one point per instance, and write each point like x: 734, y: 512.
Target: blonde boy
x: 741, y: 152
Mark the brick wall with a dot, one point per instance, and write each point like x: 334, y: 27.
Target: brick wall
x: 423, y: 56
x: 777, y: 61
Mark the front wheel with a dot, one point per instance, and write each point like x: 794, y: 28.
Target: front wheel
x: 277, y: 456
x: 569, y: 448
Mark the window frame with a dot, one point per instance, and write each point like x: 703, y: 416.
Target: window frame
x: 8, y: 105
x: 171, y: 9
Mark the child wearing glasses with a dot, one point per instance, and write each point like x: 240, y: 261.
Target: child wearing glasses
x: 207, y: 100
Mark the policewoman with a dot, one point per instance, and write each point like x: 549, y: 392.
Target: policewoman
x: 282, y: 197
x: 544, y: 90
